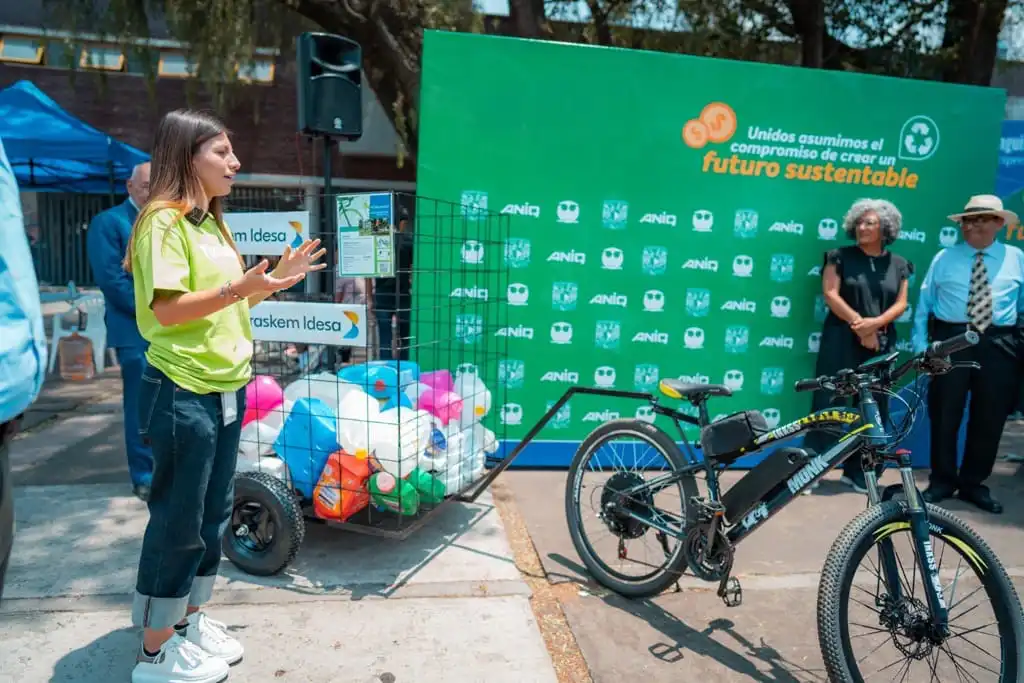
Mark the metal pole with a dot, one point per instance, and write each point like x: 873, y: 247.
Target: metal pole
x: 328, y: 236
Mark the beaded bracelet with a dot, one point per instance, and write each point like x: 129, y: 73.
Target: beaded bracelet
x: 226, y: 290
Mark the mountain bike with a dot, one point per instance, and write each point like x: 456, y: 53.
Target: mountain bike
x: 917, y: 620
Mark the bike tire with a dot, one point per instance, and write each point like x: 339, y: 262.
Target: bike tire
x: 858, y: 538
x: 674, y: 568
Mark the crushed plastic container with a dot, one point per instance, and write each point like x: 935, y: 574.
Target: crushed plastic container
x: 306, y: 441
x: 342, y: 490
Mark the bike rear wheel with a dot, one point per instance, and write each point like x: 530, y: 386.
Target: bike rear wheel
x: 653, y: 439
x: 901, y: 625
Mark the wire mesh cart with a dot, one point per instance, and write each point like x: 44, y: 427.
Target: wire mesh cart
x: 375, y: 399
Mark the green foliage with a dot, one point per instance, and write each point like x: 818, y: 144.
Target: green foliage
x: 945, y: 39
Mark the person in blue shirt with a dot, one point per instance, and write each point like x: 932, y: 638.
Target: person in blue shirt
x: 22, y: 342
x: 107, y: 239
x: 978, y: 283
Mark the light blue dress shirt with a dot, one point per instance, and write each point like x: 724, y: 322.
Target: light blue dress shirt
x: 947, y: 283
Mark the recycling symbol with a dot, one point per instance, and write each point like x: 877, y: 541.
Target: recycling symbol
x: 919, y: 138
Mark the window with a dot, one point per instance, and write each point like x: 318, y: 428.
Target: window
x: 175, y: 65
x: 104, y: 58
x: 260, y: 71
x: 21, y: 49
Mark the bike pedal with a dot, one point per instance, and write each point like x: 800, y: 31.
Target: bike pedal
x: 732, y: 594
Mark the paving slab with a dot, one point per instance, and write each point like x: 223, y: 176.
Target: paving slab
x: 771, y: 638
x: 793, y: 545
x: 84, y: 449
x: 413, y: 640
x: 80, y: 545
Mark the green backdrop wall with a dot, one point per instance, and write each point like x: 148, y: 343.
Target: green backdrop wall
x: 669, y: 214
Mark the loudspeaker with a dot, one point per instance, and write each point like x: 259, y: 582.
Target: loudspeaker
x: 330, y: 85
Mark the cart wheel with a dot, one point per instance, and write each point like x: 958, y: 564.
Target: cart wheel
x: 266, y: 527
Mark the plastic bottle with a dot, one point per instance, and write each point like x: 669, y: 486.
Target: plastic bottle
x: 392, y: 494
x: 341, y: 491
x: 76, y: 359
x: 431, y: 489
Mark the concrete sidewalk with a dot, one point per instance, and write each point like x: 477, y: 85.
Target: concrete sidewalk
x: 446, y: 604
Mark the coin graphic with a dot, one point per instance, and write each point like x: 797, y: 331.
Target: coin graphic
x: 720, y: 120
x: 695, y: 134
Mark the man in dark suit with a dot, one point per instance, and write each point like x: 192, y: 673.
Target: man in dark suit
x: 107, y: 239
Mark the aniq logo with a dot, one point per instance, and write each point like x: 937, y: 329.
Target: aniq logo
x: 309, y: 323
x: 531, y: 210
x: 474, y: 292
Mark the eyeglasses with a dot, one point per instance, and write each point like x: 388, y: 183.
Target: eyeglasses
x: 982, y: 218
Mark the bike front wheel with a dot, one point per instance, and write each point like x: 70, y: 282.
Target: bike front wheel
x: 869, y: 630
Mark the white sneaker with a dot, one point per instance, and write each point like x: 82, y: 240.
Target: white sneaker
x: 213, y: 638
x: 180, y: 661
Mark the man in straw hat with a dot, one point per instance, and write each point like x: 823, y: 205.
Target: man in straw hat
x: 978, y: 283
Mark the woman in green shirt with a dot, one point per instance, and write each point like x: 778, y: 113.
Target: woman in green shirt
x: 192, y: 306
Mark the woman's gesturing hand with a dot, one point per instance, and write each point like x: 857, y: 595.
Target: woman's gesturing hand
x: 290, y: 270
x: 301, y: 261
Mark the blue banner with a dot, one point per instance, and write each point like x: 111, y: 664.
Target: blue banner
x: 1010, y: 175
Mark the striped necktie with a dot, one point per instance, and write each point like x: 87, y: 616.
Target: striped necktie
x: 979, y: 299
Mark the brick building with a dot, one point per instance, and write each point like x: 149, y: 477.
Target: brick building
x: 108, y: 88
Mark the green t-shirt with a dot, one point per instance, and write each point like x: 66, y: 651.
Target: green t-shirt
x: 173, y: 254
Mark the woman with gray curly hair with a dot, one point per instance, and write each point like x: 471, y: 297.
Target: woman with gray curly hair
x: 865, y: 287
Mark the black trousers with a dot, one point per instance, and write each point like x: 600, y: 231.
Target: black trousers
x: 993, y: 391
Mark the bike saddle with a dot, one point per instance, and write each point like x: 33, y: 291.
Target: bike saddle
x: 674, y: 388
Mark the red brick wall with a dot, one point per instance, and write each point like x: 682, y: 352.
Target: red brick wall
x: 263, y: 120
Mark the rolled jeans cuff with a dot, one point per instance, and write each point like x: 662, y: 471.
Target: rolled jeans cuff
x: 157, y: 613
x: 202, y: 590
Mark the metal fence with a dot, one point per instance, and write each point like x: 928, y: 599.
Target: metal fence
x: 58, y: 232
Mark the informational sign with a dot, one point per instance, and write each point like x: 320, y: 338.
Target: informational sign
x: 667, y: 225
x: 366, y: 234
x: 1010, y: 181
x: 309, y: 323
x: 267, y: 233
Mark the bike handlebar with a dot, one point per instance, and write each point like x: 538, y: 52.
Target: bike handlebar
x: 936, y: 350
x: 950, y: 346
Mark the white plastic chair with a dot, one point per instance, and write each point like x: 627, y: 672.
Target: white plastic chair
x: 95, y: 330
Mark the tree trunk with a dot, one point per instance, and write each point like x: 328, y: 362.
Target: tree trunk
x: 972, y: 32
x: 809, y: 21
x: 528, y: 18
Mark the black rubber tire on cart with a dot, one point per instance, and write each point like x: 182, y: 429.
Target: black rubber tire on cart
x: 658, y: 580
x: 266, y: 502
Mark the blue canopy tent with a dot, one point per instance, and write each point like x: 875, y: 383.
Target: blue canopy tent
x: 52, y: 151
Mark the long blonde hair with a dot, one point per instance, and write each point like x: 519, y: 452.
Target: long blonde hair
x: 174, y: 183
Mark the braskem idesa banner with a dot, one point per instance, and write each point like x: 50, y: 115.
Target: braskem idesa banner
x: 670, y: 213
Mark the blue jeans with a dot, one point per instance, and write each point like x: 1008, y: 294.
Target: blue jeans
x: 132, y: 360
x: 190, y: 504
